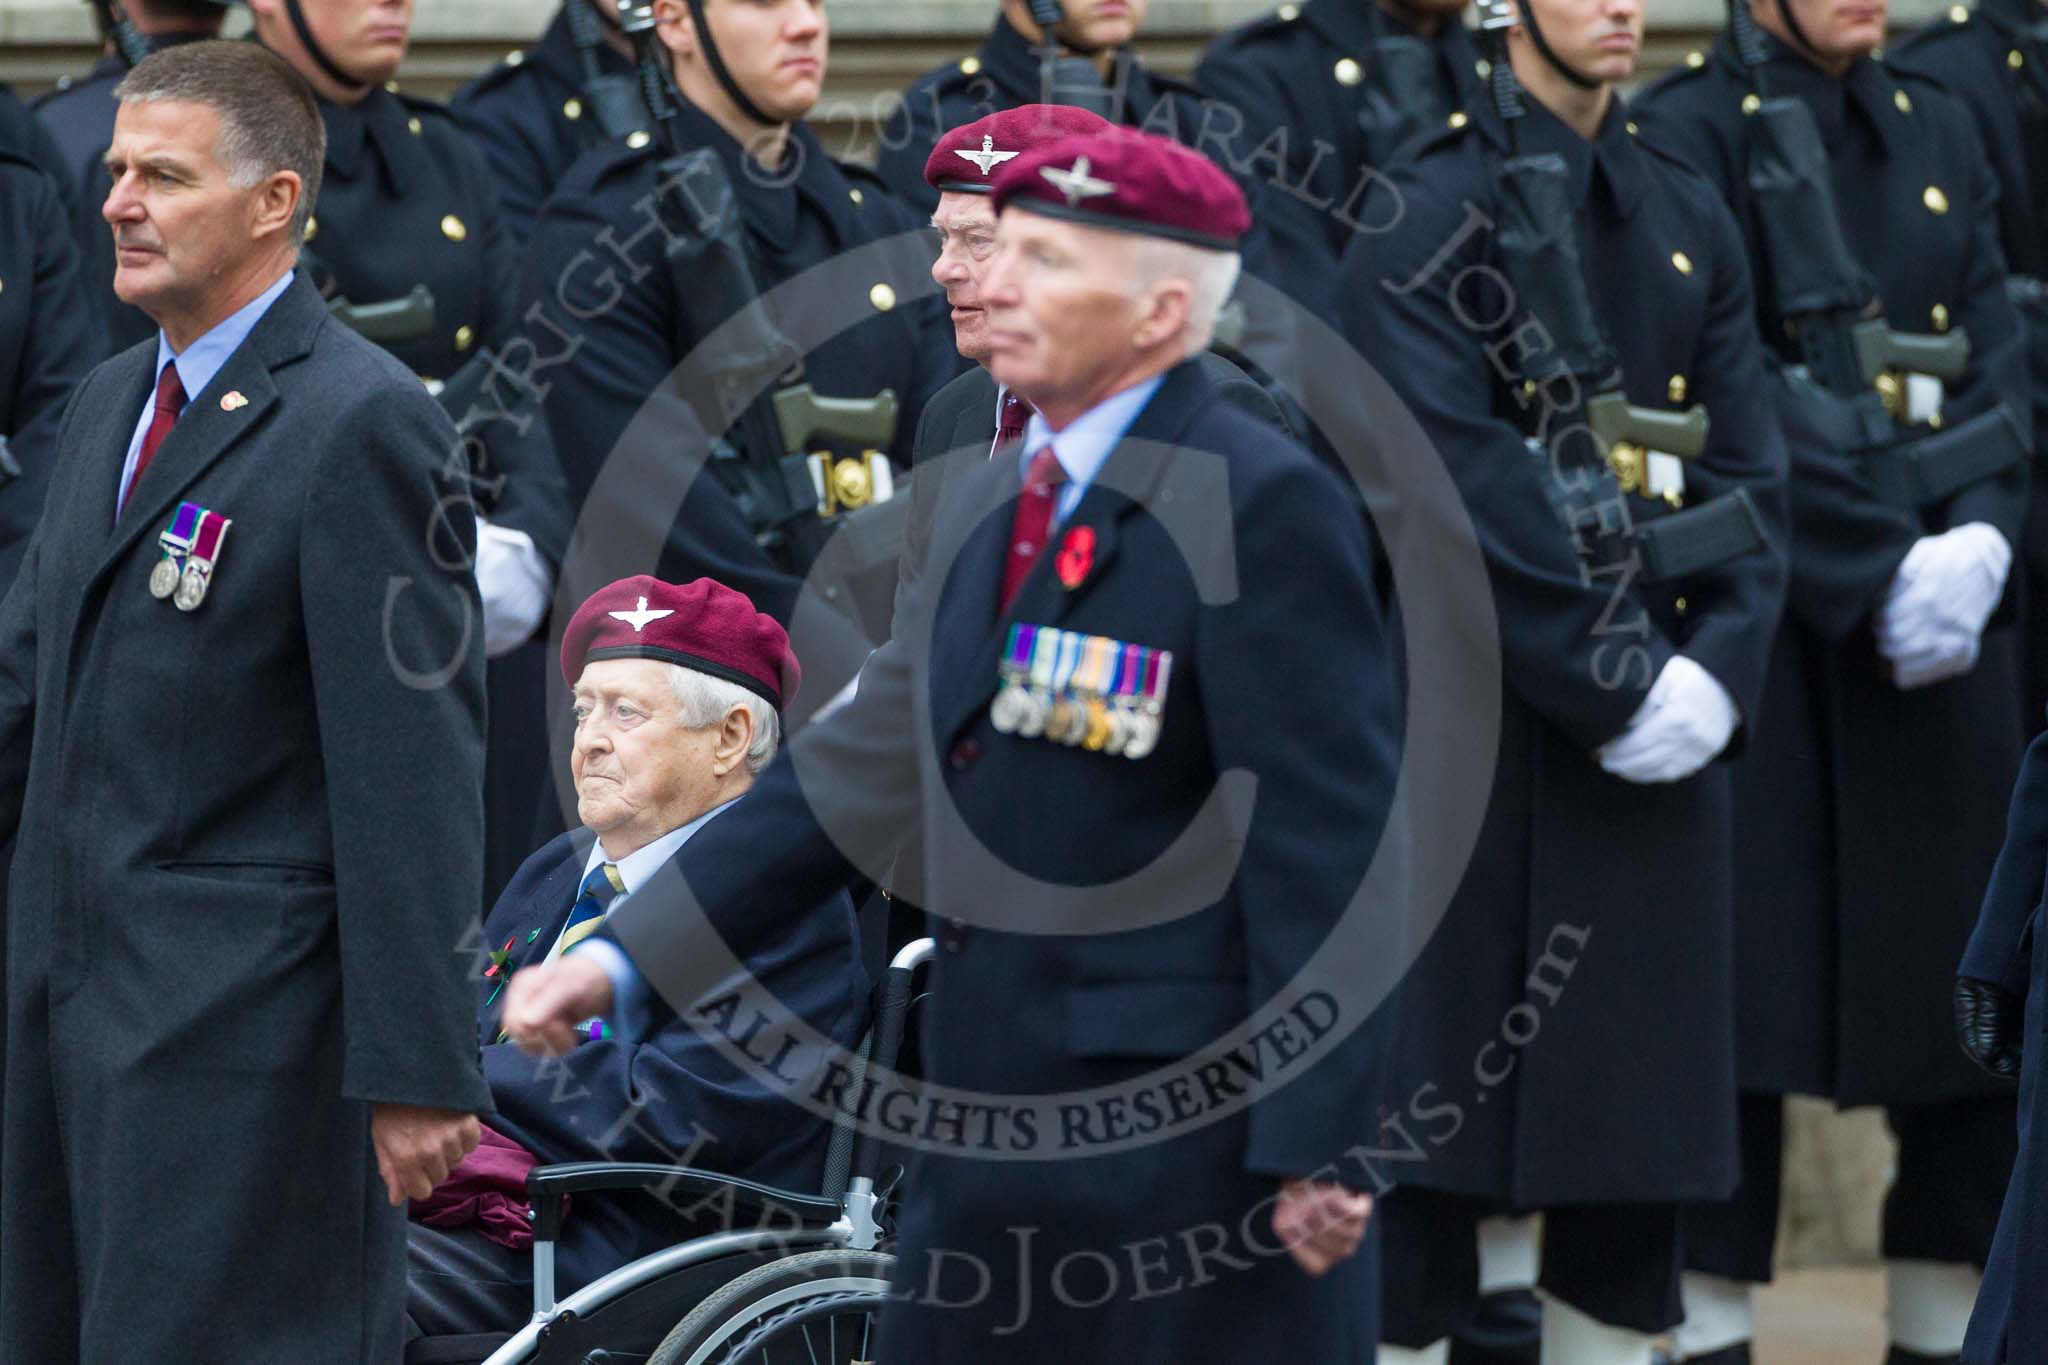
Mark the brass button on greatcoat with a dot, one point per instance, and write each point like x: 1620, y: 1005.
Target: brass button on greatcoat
x: 452, y: 228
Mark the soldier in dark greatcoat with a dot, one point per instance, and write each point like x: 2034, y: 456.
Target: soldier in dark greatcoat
x: 1869, y: 812
x: 630, y: 269
x: 1994, y: 58
x: 1565, y: 1045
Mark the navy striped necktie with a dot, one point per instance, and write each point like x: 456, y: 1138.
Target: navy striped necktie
x: 593, y: 898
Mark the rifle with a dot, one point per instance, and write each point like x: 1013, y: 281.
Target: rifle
x: 789, y: 495
x: 1856, y: 376
x: 613, y: 98
x: 1398, y: 100
x: 1626, y: 449
x: 388, y: 322
x: 131, y: 44
x: 1073, y: 80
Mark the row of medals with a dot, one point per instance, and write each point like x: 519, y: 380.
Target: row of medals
x: 185, y: 587
x: 1125, y: 726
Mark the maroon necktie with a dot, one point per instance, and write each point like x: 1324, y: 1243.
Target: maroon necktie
x: 1010, y: 420
x: 170, y: 401
x: 1032, y: 521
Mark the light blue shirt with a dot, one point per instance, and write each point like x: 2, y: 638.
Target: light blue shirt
x: 631, y: 1008
x: 1085, y: 443
x: 197, y: 365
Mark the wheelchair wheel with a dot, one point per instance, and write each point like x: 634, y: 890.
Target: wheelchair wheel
x: 818, y: 1306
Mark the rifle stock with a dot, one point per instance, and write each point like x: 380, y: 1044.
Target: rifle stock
x: 388, y: 322
x: 804, y: 415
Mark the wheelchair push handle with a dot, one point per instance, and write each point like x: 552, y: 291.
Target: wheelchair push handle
x: 892, y: 1018
x: 892, y: 1010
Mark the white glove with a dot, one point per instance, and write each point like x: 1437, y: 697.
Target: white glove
x: 515, y: 582
x: 1939, y: 600
x: 1686, y: 720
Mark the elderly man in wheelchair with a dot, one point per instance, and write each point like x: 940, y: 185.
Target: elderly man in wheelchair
x: 678, y: 691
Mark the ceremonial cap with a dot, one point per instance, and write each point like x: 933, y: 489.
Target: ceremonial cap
x: 1137, y: 182
x: 967, y: 158
x: 701, y: 624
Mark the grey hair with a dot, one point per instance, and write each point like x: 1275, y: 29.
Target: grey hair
x: 269, y: 121
x: 705, y: 700
x: 1210, y: 275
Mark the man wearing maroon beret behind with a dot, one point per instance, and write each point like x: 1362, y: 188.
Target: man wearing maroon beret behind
x: 974, y: 411
x: 678, y: 693
x: 1141, y: 707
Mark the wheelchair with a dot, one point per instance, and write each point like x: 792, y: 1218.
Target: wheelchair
x: 810, y: 1288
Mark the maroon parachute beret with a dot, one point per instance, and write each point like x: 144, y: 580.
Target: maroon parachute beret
x: 702, y: 625
x: 967, y: 158
x: 1126, y: 179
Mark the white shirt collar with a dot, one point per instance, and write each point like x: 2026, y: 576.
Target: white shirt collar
x: 642, y: 863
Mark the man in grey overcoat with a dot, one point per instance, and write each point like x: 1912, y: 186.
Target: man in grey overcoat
x: 241, y: 709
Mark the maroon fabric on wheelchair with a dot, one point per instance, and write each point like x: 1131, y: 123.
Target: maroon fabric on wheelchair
x: 487, y: 1191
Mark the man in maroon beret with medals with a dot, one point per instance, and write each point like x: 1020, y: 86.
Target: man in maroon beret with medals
x: 679, y: 691
x: 1141, y: 710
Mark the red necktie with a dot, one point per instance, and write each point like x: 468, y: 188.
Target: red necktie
x: 1010, y: 419
x: 170, y: 401
x: 1032, y: 521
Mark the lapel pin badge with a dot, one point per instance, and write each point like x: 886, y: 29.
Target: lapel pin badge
x: 232, y: 400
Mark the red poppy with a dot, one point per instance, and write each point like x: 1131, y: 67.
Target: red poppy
x: 1076, y: 557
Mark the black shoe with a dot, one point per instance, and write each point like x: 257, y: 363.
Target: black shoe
x: 1505, y: 1329
x: 1899, y: 1355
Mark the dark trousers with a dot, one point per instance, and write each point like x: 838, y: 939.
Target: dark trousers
x: 459, y: 1282
x: 1955, y: 1158
x: 1616, y: 1263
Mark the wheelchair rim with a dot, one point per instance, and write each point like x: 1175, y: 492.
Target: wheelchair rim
x: 744, y: 1332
